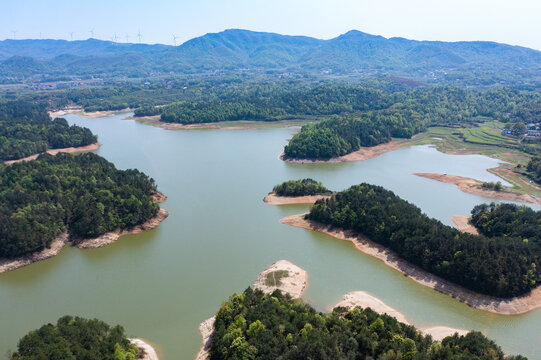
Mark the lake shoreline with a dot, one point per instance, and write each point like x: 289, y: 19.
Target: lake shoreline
x: 70, y: 150
x: 273, y: 199
x: 10, y: 264
x: 364, y: 153
x: 463, y: 224
x: 149, y: 352
x: 92, y: 114
x: 512, y: 306
x: 472, y: 186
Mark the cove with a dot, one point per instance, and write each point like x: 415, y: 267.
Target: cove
x: 220, y: 234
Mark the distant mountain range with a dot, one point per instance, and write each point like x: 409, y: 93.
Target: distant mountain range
x: 241, y: 50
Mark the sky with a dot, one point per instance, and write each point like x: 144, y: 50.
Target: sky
x: 515, y: 22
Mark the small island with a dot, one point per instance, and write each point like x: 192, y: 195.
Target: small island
x: 261, y: 325
x: 305, y: 191
x: 79, y: 338
x: 84, y: 199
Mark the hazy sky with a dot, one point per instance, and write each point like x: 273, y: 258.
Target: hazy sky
x: 515, y: 22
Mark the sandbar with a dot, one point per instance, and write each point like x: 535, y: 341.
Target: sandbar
x: 273, y: 199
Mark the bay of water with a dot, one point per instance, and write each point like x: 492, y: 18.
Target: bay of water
x: 161, y: 284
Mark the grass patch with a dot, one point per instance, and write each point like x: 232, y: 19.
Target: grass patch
x: 274, y: 277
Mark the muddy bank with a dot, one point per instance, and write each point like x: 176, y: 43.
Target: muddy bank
x: 56, y: 246
x: 111, y: 237
x: 510, y: 306
x: 463, y: 224
x: 70, y: 150
x: 273, y: 199
x: 362, y: 154
x: 148, y: 352
x: 472, y: 186
x: 282, y: 275
x: 363, y: 299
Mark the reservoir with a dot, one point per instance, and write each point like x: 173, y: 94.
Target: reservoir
x: 219, y: 235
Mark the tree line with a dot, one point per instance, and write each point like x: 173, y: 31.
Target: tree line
x: 83, y: 193
x: 493, y: 264
x: 300, y: 188
x: 74, y: 338
x: 27, y: 129
x: 254, y: 326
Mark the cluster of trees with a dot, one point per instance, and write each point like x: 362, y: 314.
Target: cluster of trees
x: 257, y: 326
x: 493, y: 265
x: 83, y: 193
x: 27, y: 129
x: 76, y: 338
x: 534, y: 169
x: 489, y: 185
x: 300, y: 188
x: 516, y: 223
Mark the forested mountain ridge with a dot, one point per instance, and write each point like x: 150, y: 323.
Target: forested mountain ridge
x: 352, y: 53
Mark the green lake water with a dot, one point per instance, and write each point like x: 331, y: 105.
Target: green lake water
x: 161, y: 284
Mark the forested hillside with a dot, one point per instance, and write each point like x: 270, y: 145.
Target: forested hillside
x: 257, y: 326
x: 234, y: 50
x: 300, y: 188
x: 84, y: 194
x: 500, y: 263
x: 27, y: 129
x: 408, y: 113
x: 76, y: 338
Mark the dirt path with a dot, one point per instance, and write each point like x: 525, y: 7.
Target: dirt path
x: 273, y: 199
x: 510, y: 306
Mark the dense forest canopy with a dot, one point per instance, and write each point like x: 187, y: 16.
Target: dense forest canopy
x: 257, y: 326
x: 84, y: 193
x: 495, y: 264
x: 74, y: 338
x: 27, y: 129
x: 300, y: 188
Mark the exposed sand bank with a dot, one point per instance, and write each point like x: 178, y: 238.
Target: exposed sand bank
x: 56, y: 245
x: 364, y: 300
x: 149, y: 353
x: 111, y: 237
x: 273, y: 199
x: 510, y: 306
x: 70, y: 150
x: 463, y: 224
x: 81, y: 112
x: 293, y: 284
x: 362, y: 154
x: 472, y: 186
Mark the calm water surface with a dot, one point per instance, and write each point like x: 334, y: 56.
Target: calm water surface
x: 161, y: 284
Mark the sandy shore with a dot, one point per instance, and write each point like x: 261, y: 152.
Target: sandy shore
x: 81, y: 112
x: 273, y: 199
x: 365, y: 300
x: 362, y: 154
x: 56, y: 246
x: 111, y: 237
x: 508, y: 306
x: 293, y: 284
x: 463, y: 224
x: 149, y: 353
x: 360, y: 298
x: 70, y: 150
x: 472, y: 186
